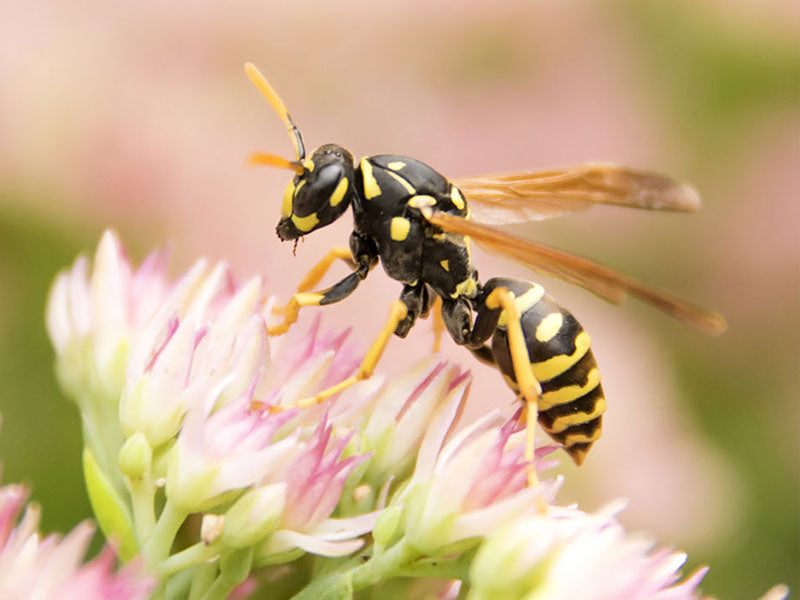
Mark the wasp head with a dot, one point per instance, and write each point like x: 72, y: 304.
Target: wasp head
x: 319, y: 195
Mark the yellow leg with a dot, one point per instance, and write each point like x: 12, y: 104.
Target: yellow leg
x: 529, y: 388
x: 397, y: 314
x: 303, y: 298
x: 438, y: 324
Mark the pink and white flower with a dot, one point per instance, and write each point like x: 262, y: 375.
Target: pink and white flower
x: 570, y: 554
x: 50, y: 567
x: 471, y: 485
x: 313, y: 482
x: 92, y: 313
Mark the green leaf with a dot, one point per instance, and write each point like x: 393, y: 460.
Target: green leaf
x: 333, y: 587
x: 110, y: 510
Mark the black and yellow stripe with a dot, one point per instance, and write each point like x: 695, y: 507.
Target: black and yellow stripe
x: 572, y: 403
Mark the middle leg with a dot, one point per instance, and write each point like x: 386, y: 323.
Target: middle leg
x: 365, y: 370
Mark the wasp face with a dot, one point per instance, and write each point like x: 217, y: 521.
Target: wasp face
x: 320, y: 195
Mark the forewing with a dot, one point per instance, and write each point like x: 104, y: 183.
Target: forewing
x: 519, y: 197
x: 606, y: 283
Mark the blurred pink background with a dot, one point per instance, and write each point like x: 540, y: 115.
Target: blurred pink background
x: 139, y: 116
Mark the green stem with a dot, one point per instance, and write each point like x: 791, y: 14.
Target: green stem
x: 384, y: 565
x: 204, y: 579
x: 233, y: 570
x: 193, y: 555
x: 102, y: 434
x: 157, y: 548
x: 143, y: 494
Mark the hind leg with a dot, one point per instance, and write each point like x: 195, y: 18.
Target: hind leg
x: 529, y: 388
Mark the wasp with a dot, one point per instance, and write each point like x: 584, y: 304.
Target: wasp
x: 420, y: 225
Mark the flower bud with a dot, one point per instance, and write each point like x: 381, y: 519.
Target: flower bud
x: 254, y: 516
x: 135, y: 456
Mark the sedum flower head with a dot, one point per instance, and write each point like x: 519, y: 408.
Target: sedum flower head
x: 180, y: 388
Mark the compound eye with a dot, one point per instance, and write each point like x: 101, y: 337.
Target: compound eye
x: 320, y: 184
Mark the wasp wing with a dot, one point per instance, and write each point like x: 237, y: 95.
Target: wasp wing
x: 518, y: 197
x: 606, y: 283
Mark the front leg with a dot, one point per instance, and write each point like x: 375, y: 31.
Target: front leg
x: 335, y: 293
x: 361, y: 256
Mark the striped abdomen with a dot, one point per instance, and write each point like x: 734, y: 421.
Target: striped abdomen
x: 572, y: 402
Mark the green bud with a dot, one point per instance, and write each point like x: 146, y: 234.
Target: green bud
x: 254, y: 516
x: 136, y: 456
x: 387, y: 525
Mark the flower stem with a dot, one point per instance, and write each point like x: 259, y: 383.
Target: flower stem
x: 142, y: 498
x: 191, y: 556
x: 233, y: 570
x: 203, y: 579
x: 156, y: 549
x: 384, y: 565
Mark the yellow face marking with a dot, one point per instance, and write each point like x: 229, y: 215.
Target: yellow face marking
x: 556, y: 365
x: 457, y: 198
x: 371, y: 187
x: 523, y: 303
x: 308, y: 164
x: 568, y: 393
x: 549, y: 327
x: 421, y: 200
x: 396, y: 165
x: 305, y: 224
x: 466, y: 288
x: 288, y: 196
x: 562, y: 423
x: 445, y: 264
x: 400, y: 228
x: 338, y: 193
x: 408, y: 187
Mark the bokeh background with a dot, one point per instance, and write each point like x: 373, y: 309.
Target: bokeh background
x: 138, y: 116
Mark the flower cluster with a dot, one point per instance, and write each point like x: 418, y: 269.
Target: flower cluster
x: 199, y: 465
x: 49, y: 568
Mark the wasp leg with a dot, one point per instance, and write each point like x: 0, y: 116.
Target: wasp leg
x: 529, y: 388
x: 335, y: 293
x: 418, y: 299
x: 367, y: 367
x: 303, y: 297
x: 484, y: 354
x: 314, y: 276
x: 438, y: 324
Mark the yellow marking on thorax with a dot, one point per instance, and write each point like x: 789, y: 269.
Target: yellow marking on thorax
x: 305, y: 224
x: 399, y: 228
x: 445, y: 264
x: 338, y: 193
x: 466, y: 288
x: 371, y: 187
x: 549, y: 327
x: 396, y: 165
x: 556, y: 365
x: 568, y: 393
x: 409, y: 188
x: 308, y: 164
x: 523, y: 303
x: 562, y: 423
x: 288, y: 196
x: 421, y: 200
x: 456, y: 198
